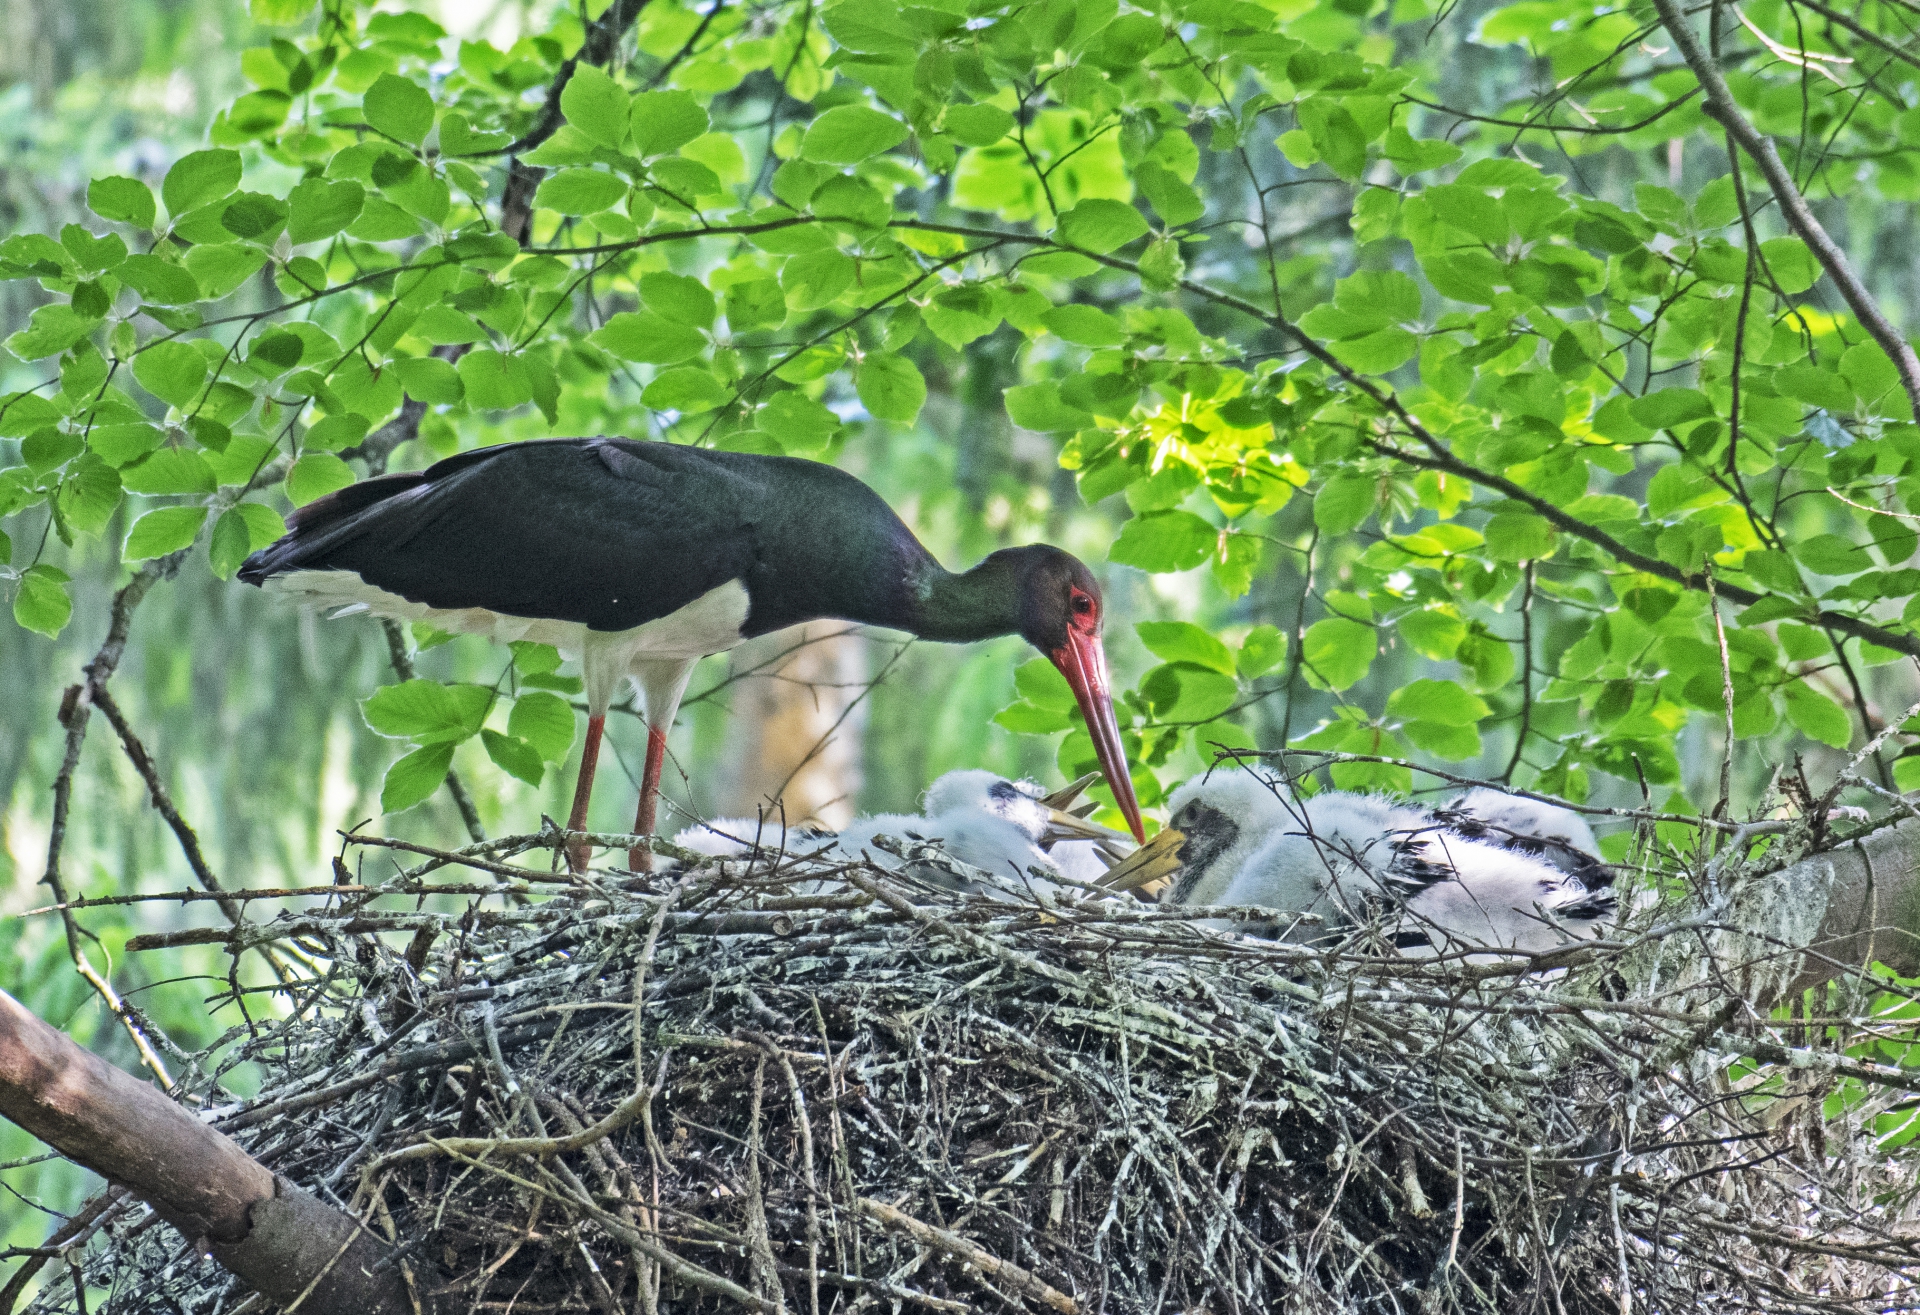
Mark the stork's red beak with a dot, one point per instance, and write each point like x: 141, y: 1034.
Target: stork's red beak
x: 1084, y: 663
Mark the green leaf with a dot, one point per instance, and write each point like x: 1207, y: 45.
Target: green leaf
x: 756, y: 303
x: 598, y: 106
x: 1181, y: 641
x: 1816, y: 716
x: 1795, y: 270
x: 1024, y: 718
x: 797, y: 421
x: 1087, y: 326
x: 231, y: 543
x: 220, y: 268
x: 1100, y: 225
x: 336, y: 432
x: 514, y: 756
x: 890, y: 387
x: 1344, y: 501
x: 1261, y: 651
x: 633, y: 336
x: 164, y: 531
x: 1412, y: 156
x: 580, y: 191
x: 495, y: 381
x: 172, y: 371
x: 1519, y: 537
x: 427, y: 711
x: 399, y: 108
x: 317, y: 208
x: 1040, y: 683
x: 1440, y: 701
x: 1669, y: 407
x: 678, y: 298
x: 544, y: 721
x: 415, y: 777
x: 40, y: 601
x: 815, y: 279
x: 1829, y: 554
x: 49, y: 449
x: 50, y: 331
x: 119, y: 444
x: 1163, y: 541
x: 1336, y: 653
x: 663, y: 121
x: 170, y: 470
x: 124, y: 200
x: 429, y: 379
x: 976, y: 125
x: 198, y: 179
x: 315, y: 475
x: 1179, y: 692
x: 850, y: 134
x: 1379, y: 352
x: 689, y: 390
x: 158, y: 281
x: 1172, y: 199
x: 22, y: 413
x: 1039, y: 407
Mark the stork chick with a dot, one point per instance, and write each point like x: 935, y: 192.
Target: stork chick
x: 1556, y: 836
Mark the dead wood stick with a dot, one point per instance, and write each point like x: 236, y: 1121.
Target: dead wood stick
x: 267, y: 1232
x: 960, y: 1248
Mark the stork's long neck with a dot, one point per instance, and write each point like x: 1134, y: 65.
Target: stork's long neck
x: 960, y: 608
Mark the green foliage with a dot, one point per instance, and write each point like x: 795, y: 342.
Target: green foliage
x: 1533, y: 407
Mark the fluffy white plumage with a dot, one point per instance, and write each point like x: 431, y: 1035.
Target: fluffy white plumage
x: 1339, y: 858
x: 731, y: 837
x: 984, y: 820
x: 1226, y: 817
x: 1347, y: 859
x: 1557, y: 836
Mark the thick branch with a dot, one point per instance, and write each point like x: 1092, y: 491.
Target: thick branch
x: 273, y: 1236
x: 1720, y: 104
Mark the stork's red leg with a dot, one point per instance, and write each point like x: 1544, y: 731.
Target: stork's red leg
x: 583, y: 791
x: 639, y: 859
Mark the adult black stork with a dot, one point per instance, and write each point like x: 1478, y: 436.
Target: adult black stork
x: 641, y: 558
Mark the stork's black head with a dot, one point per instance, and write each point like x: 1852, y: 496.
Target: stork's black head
x: 1055, y: 602
x: 1055, y: 593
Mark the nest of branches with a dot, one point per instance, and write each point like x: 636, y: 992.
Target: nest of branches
x: 791, y: 1086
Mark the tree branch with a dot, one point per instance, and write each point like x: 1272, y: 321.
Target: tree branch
x: 1720, y: 104
x: 273, y: 1236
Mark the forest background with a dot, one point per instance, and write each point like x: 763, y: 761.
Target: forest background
x: 1425, y: 381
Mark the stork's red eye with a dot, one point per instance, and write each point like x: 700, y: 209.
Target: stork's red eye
x: 1082, y: 605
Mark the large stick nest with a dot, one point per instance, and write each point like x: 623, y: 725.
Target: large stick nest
x: 861, y: 1091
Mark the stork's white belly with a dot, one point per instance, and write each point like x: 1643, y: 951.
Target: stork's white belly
x: 709, y: 624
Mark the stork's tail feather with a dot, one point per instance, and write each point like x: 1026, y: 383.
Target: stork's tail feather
x: 314, y: 529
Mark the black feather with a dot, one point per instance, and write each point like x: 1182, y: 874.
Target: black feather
x: 613, y: 533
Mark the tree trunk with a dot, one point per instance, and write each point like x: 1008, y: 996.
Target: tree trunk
x: 794, y: 737
x: 274, y: 1236
x: 1847, y: 908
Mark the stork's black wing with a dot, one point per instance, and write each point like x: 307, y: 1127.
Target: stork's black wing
x: 615, y: 533
x: 607, y: 532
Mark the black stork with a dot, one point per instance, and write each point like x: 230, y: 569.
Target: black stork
x: 641, y: 558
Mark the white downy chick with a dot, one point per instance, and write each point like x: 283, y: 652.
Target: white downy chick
x: 1337, y: 857
x: 736, y: 837
x: 1499, y: 899
x: 981, y: 819
x: 1557, y: 836
x: 1225, y: 817
x: 1021, y: 803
